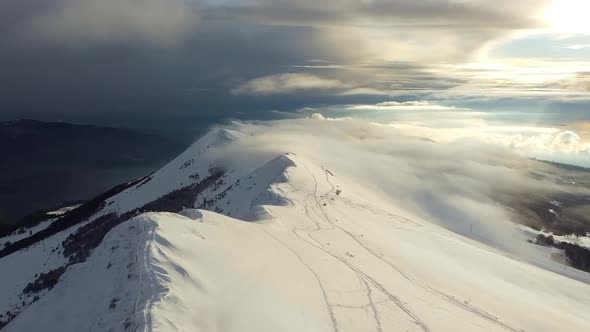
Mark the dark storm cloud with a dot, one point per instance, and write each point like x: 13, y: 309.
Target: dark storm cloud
x: 502, y: 14
x: 211, y: 57
x: 88, y: 21
x: 62, y: 76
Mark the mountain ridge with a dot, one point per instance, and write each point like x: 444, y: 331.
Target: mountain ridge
x: 288, y: 241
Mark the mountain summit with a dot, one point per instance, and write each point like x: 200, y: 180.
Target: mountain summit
x: 246, y: 231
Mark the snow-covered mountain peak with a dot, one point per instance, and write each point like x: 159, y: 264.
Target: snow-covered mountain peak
x: 236, y: 235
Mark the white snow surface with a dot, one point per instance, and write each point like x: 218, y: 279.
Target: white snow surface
x: 22, y: 267
x: 300, y: 244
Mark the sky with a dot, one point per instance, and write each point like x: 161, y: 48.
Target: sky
x: 463, y: 66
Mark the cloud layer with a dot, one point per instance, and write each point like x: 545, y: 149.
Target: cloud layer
x: 87, y: 21
x: 463, y: 185
x: 166, y: 50
x: 287, y: 83
x: 82, y: 59
x: 441, y: 123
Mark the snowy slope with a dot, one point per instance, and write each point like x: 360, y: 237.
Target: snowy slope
x: 290, y: 242
x: 190, y: 167
x: 53, y: 254
x: 24, y: 266
x: 25, y: 232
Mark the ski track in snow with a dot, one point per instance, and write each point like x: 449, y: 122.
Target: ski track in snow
x: 364, y: 276
x: 329, y: 225
x: 476, y: 311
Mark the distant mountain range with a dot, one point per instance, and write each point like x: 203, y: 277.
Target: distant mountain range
x: 44, y: 164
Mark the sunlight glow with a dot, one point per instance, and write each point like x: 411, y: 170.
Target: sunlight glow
x: 569, y: 16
